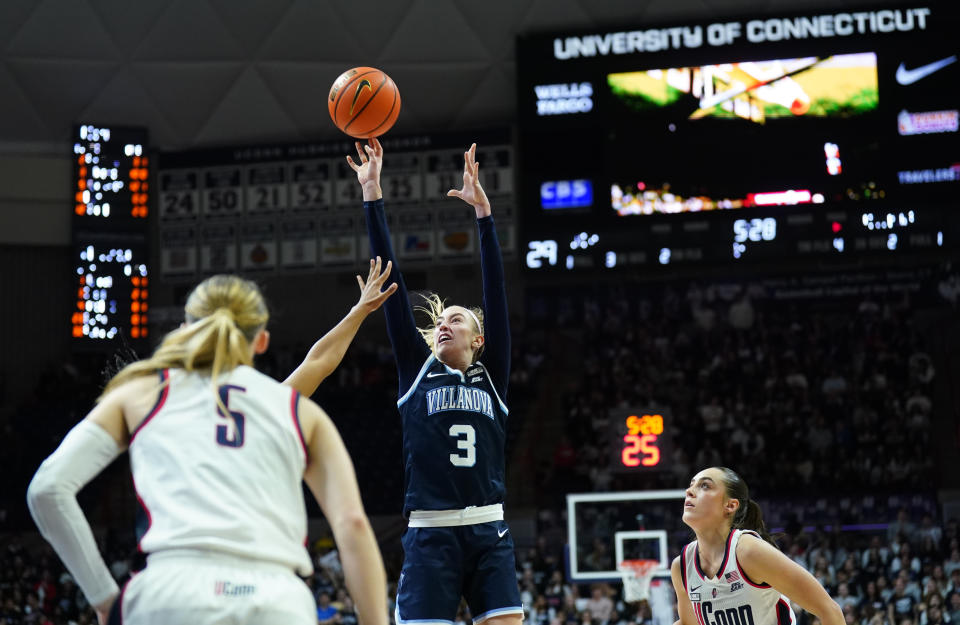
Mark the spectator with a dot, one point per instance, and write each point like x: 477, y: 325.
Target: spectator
x: 938, y: 577
x: 953, y: 606
x: 556, y: 592
x: 871, y: 601
x: 901, y: 603
x: 952, y: 564
x: 844, y: 598
x: 931, y: 531
x: 902, y: 526
x: 906, y: 561
x: 600, y: 606
x: 326, y: 613
x: 540, y: 612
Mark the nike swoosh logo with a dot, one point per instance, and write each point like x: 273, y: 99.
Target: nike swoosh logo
x: 436, y: 375
x: 909, y: 76
x: 501, y: 533
x: 356, y: 94
x: 695, y: 588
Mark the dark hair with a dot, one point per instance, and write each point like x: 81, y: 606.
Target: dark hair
x: 748, y: 516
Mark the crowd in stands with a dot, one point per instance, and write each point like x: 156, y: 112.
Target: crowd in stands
x: 787, y: 392
x: 905, y: 574
x: 833, y: 400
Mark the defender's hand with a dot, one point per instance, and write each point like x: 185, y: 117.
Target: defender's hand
x: 371, y: 295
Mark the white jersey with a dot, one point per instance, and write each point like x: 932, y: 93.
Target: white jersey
x: 731, y: 598
x: 229, y: 483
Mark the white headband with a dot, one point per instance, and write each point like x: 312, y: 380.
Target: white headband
x: 479, y: 327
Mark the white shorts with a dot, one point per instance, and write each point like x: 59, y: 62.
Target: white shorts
x: 206, y: 588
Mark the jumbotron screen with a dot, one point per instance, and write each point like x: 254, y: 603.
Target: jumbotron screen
x: 807, y: 131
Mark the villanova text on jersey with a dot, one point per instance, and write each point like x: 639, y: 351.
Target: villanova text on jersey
x: 459, y: 398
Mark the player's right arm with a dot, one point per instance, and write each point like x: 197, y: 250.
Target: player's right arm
x: 496, y: 315
x: 85, y: 451
x: 332, y: 481
x: 327, y: 353
x: 409, y: 348
x: 684, y: 607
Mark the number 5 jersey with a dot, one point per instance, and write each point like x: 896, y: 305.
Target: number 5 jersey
x: 224, y: 481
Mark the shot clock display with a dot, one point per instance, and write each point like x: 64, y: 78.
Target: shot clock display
x: 745, y: 140
x: 110, y: 252
x: 638, y: 441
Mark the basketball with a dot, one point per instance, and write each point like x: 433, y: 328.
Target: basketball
x: 364, y: 102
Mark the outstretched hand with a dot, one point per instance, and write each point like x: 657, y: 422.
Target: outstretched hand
x: 472, y: 193
x: 371, y: 295
x: 368, y: 170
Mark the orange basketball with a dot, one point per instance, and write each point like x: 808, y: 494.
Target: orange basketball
x: 364, y: 102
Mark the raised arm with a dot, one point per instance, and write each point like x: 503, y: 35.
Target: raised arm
x: 496, y: 314
x: 327, y: 353
x: 409, y: 348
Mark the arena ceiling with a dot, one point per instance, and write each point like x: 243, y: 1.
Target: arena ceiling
x: 227, y: 72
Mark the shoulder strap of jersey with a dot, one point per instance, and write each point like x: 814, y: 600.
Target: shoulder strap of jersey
x: 736, y: 560
x: 683, y: 564
x: 161, y: 400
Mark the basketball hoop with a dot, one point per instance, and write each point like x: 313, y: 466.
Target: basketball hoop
x: 636, y: 575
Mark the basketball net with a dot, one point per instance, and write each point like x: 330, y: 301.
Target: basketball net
x: 636, y: 576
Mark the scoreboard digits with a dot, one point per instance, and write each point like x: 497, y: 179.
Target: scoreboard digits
x: 112, y: 291
x: 638, y: 440
x: 109, y: 233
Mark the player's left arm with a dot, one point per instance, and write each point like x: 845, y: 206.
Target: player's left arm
x: 496, y: 313
x: 327, y: 353
x: 764, y: 563
x: 684, y: 606
x: 52, y: 495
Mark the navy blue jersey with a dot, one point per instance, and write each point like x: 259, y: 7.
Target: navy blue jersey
x: 454, y: 425
x: 454, y: 430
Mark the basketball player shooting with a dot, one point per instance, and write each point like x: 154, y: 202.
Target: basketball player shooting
x: 454, y: 419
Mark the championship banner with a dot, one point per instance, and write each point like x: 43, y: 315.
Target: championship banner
x: 298, y: 244
x: 258, y: 246
x: 178, y: 253
x: 218, y: 248
x: 266, y: 189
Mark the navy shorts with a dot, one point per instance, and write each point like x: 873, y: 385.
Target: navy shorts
x: 441, y: 564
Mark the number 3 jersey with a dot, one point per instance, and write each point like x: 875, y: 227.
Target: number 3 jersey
x: 224, y: 482
x: 454, y: 430
x: 731, y: 598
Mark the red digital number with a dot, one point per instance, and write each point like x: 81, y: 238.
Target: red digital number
x: 636, y: 445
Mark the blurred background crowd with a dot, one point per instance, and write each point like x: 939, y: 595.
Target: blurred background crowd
x: 824, y: 406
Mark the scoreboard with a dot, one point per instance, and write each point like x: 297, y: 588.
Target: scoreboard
x: 640, y: 440
x: 822, y: 136
x: 110, y: 255
x: 296, y: 208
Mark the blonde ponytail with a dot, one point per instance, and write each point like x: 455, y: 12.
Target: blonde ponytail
x: 223, y: 315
